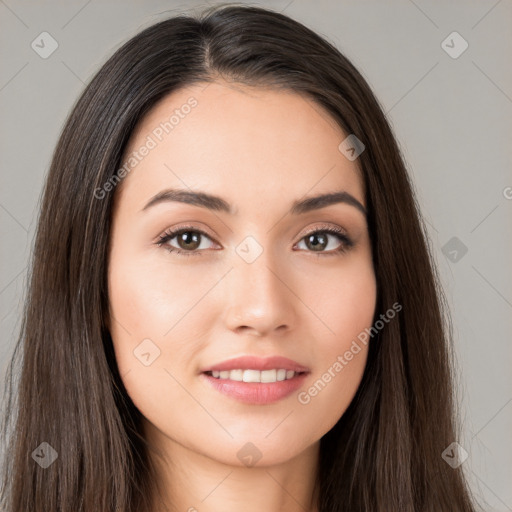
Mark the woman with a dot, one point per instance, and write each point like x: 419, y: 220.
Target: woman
x: 232, y: 303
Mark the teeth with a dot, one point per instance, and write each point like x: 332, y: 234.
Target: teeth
x: 269, y: 376
x: 254, y: 375
x: 236, y: 375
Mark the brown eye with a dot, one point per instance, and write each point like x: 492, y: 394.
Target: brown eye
x: 189, y: 240
x: 185, y: 241
x: 319, y: 241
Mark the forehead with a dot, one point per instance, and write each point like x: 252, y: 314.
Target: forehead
x: 242, y: 142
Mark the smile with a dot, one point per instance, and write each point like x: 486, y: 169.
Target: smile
x: 240, y: 375
x: 255, y: 387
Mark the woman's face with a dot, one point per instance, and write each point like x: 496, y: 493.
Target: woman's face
x: 254, y: 274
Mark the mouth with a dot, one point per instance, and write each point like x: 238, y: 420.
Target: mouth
x: 249, y: 375
x: 255, y: 387
x: 256, y: 381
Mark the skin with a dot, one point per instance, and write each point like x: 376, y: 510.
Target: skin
x: 260, y: 150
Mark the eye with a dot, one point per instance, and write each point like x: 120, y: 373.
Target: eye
x: 318, y: 241
x: 188, y: 240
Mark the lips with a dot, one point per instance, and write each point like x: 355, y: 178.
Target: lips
x: 257, y: 363
x: 256, y: 380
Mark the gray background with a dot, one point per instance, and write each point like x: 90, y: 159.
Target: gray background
x: 452, y: 117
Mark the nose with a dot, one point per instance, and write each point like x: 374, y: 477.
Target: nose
x: 259, y: 298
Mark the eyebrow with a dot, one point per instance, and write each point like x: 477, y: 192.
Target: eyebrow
x: 216, y: 203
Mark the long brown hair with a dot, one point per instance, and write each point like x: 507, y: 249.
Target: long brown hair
x: 384, y: 454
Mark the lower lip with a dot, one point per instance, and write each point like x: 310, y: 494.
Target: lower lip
x: 256, y: 393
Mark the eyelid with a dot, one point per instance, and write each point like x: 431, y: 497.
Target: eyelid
x: 321, y: 227
x: 170, y: 233
x: 186, y: 227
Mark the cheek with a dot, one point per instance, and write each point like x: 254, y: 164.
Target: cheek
x: 137, y: 318
x: 143, y: 295
x: 154, y: 340
x: 344, y: 301
x: 161, y: 315
x: 346, y: 306
x: 147, y: 299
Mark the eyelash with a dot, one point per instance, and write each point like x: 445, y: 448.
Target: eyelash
x: 337, y: 232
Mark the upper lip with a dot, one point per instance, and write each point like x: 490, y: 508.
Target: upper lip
x: 257, y: 363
